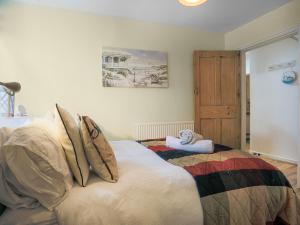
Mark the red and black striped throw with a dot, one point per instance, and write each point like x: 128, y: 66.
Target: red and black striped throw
x: 235, y: 187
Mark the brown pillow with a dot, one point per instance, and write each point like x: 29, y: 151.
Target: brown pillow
x: 69, y: 136
x: 98, y: 151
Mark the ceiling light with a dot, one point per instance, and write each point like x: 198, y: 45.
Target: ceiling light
x: 191, y: 2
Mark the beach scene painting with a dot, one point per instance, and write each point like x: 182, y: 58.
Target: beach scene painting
x: 133, y: 68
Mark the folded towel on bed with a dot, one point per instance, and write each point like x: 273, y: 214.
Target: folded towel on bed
x: 189, y: 137
x: 201, y: 146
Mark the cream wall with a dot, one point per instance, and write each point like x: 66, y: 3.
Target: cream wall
x: 56, y: 55
x: 274, y: 107
x: 264, y: 27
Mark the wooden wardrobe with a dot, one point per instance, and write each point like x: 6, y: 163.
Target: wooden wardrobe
x: 218, y: 96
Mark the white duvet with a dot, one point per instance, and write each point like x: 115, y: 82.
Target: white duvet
x: 150, y: 191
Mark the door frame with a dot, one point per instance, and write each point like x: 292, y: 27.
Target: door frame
x: 274, y: 38
x: 277, y: 37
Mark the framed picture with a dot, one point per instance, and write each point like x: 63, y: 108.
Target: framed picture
x: 133, y: 68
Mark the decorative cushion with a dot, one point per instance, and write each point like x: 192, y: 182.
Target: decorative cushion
x: 35, y: 166
x: 71, y: 141
x: 99, y: 153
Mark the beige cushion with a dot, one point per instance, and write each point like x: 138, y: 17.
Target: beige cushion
x: 36, y: 166
x: 71, y: 141
x: 99, y: 153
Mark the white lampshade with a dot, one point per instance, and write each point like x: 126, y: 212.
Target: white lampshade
x: 191, y: 2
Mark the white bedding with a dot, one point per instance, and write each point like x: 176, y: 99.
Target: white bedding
x: 150, y: 191
x: 37, y: 216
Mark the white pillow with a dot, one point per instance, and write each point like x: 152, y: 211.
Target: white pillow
x: 5, y: 132
x: 9, y: 197
x: 37, y: 166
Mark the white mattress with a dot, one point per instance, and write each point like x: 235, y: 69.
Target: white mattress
x: 150, y: 191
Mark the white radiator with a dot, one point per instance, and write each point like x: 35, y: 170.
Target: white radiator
x: 145, y: 131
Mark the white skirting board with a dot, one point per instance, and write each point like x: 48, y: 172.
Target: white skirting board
x: 275, y: 157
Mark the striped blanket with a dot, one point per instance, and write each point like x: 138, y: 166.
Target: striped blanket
x: 235, y: 187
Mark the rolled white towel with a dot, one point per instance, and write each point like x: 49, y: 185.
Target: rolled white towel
x: 189, y: 137
x: 201, y: 146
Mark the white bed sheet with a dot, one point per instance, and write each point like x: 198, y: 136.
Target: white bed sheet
x: 150, y: 191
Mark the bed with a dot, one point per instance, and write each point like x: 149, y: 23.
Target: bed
x: 149, y: 191
x: 235, y: 187
x: 155, y: 188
